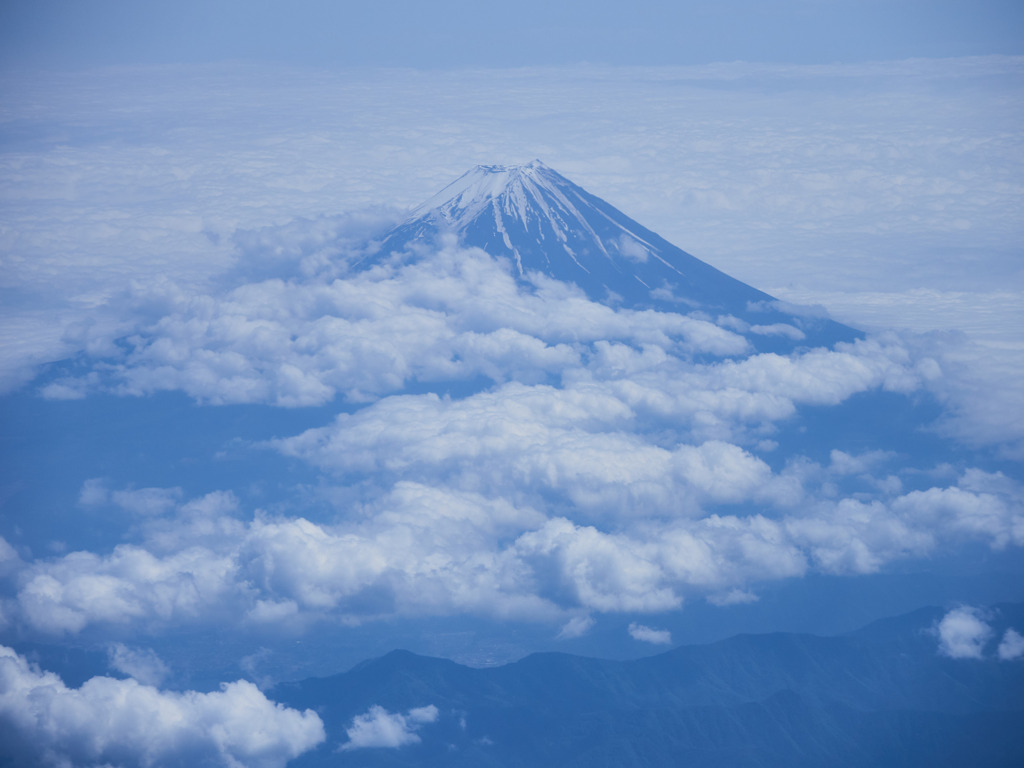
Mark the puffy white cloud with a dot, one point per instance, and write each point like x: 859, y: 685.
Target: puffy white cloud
x: 131, y: 583
x: 998, y: 518
x: 309, y: 564
x: 857, y: 537
x: 419, y: 550
x: 963, y: 633
x: 301, y: 343
x: 650, y: 569
x: 143, y: 664
x: 398, y: 433
x: 459, y: 315
x: 122, y: 722
x: 412, y: 548
x: 822, y: 376
x: 90, y: 217
x: 740, y: 399
x: 599, y: 571
x: 380, y: 728
x: 646, y: 634
x: 724, y: 551
x: 456, y: 314
x: 1011, y: 646
x: 579, y: 442
x: 206, y: 522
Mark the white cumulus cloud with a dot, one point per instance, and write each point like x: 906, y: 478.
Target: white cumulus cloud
x: 1011, y: 646
x: 143, y: 664
x: 418, y: 547
x: 963, y: 633
x: 646, y: 634
x: 123, y: 722
x: 380, y: 728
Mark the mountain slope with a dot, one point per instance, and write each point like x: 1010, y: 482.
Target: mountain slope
x: 878, y: 697
x: 545, y: 224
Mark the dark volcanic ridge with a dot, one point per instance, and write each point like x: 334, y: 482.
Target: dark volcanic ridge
x: 880, y: 696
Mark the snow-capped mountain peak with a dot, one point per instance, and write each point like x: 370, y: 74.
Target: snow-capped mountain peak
x: 546, y: 224
x: 479, y: 187
x: 530, y: 198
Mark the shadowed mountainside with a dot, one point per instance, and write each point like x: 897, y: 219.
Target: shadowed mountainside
x: 544, y: 224
x: 881, y: 696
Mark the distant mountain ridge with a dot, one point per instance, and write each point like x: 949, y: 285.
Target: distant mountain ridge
x: 545, y: 223
x: 882, y: 696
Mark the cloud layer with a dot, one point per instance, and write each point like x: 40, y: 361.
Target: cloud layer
x: 603, y: 460
x: 803, y: 181
x: 594, y: 460
x: 417, y: 549
x: 440, y: 440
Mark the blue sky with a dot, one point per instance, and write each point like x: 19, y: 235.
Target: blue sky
x: 218, y: 443
x: 65, y: 33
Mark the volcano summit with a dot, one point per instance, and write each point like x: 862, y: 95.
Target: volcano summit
x: 546, y: 224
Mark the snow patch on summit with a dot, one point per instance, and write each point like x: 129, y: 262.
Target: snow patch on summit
x: 470, y: 194
x: 531, y: 197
